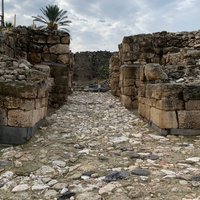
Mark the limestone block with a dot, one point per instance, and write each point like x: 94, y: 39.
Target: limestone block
x: 129, y: 71
x: 163, y: 119
x: 19, y: 118
x: 154, y: 72
x: 3, y: 116
x: 63, y: 59
x: 142, y: 90
x: 42, y: 91
x: 42, y: 102
x: 53, y: 39
x: 49, y: 57
x: 39, y: 39
x: 65, y: 40
x: 161, y: 90
x: 192, y: 105
x: 38, y: 114
x: 144, y: 110
x: 189, y: 119
x: 59, y: 49
x: 128, y: 82
x: 35, y: 57
x: 147, y: 101
x: 129, y: 91
x: 27, y: 104
x: 12, y: 102
x: 191, y: 92
x: 126, y: 101
x: 170, y: 104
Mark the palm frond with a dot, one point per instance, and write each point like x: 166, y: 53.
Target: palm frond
x: 53, y: 15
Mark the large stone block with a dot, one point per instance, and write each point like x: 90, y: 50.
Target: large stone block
x: 144, y: 110
x: 154, y: 72
x: 27, y: 104
x: 163, y: 119
x: 191, y: 92
x: 38, y: 114
x: 53, y: 39
x: 129, y: 71
x: 64, y: 59
x: 162, y: 90
x: 19, y: 118
x: 128, y: 82
x: 170, y: 104
x: 189, y: 119
x: 12, y: 102
x: 192, y: 105
x: 59, y: 49
x: 40, y: 103
x: 126, y: 101
x: 129, y: 91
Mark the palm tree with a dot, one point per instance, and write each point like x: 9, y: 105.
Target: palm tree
x: 53, y: 17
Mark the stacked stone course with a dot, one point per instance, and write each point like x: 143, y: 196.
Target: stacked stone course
x: 44, y: 47
x: 23, y: 99
x: 164, y: 72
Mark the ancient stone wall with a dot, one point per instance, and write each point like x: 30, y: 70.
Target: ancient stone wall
x: 88, y: 65
x: 39, y: 46
x: 163, y: 72
x: 23, y: 99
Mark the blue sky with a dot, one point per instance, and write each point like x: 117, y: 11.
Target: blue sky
x: 102, y: 24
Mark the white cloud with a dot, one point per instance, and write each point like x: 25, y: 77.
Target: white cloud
x: 102, y: 24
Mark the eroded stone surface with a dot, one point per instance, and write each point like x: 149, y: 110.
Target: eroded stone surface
x: 87, y: 139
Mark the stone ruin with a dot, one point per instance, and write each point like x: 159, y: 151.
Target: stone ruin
x: 35, y: 72
x: 159, y: 74
x: 90, y: 68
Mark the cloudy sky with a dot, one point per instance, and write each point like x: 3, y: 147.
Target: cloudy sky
x: 102, y: 24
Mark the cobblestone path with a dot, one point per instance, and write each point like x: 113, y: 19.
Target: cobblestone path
x: 94, y: 149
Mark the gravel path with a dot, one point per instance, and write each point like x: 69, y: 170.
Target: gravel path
x: 94, y: 149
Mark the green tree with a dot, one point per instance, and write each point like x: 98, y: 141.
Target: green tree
x: 53, y: 17
x: 8, y: 24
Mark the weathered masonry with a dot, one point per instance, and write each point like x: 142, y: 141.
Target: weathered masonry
x: 44, y: 47
x: 158, y: 74
x: 35, y: 71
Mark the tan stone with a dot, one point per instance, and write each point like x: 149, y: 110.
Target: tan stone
x: 65, y: 40
x: 144, y: 110
x: 170, y: 104
x: 150, y: 102
x: 12, y: 102
x: 126, y: 101
x: 129, y: 71
x: 64, y: 59
x: 154, y: 72
x: 192, y: 105
x: 129, y: 91
x: 42, y: 102
x: 19, y: 118
x: 27, y: 104
x: 35, y: 57
x: 189, y: 119
x: 38, y: 114
x: 163, y: 119
x: 128, y: 82
x: 59, y: 49
x: 53, y: 39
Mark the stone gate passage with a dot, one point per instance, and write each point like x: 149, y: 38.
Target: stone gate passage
x: 158, y: 74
